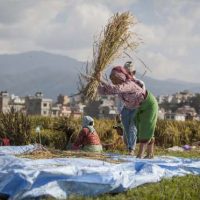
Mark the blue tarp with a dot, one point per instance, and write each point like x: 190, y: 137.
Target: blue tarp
x: 22, y: 178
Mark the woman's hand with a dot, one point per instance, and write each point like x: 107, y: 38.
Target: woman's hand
x: 103, y: 83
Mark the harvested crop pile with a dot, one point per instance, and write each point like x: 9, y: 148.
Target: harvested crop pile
x: 48, y: 154
x: 116, y: 38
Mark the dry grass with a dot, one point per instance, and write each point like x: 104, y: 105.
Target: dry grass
x: 48, y: 154
x: 116, y: 38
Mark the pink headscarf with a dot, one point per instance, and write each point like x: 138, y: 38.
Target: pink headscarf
x: 120, y: 73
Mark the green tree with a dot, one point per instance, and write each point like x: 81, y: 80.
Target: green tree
x: 195, y: 102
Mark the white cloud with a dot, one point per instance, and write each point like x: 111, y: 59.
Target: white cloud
x: 20, y: 33
x: 170, y: 30
x: 78, y: 29
x: 168, y: 45
x: 13, y: 11
x: 151, y: 35
x: 161, y: 66
x: 118, y: 3
x: 58, y: 26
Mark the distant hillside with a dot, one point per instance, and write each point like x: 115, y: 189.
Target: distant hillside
x: 29, y: 72
x: 26, y: 73
x: 165, y: 87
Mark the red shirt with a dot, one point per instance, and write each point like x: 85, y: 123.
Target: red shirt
x: 85, y: 137
x: 6, y: 142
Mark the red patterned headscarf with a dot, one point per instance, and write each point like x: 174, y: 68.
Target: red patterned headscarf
x: 120, y: 73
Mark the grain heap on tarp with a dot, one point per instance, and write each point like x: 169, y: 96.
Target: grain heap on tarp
x: 115, y: 38
x: 49, y: 153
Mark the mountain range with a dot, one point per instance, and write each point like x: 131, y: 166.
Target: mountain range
x: 26, y: 73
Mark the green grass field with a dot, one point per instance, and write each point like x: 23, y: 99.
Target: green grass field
x: 176, y: 188
x: 183, y: 188
x: 185, y: 154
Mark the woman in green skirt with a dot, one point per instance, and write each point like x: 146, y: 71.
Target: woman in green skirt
x: 135, y: 97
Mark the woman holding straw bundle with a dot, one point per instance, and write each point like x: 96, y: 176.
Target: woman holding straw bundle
x: 135, y: 97
x: 126, y: 114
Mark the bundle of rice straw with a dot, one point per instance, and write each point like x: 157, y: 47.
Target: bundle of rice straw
x: 115, y: 38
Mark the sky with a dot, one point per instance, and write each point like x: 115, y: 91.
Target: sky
x: 170, y: 31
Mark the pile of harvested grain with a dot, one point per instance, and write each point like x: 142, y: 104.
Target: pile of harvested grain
x: 112, y: 42
x: 47, y: 154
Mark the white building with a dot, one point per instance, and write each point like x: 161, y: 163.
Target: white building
x: 174, y: 116
x: 161, y: 114
x: 37, y: 105
x: 4, y: 102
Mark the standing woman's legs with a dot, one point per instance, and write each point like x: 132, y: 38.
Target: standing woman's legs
x: 124, y: 118
x: 150, y: 149
x: 130, y: 130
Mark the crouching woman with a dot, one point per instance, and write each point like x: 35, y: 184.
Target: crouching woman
x: 88, y: 139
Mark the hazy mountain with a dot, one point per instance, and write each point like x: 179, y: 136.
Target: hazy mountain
x: 29, y: 72
x: 26, y: 73
x: 169, y: 86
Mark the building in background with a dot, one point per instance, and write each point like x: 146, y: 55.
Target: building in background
x: 37, y: 105
x: 4, y: 102
x: 92, y: 108
x: 104, y: 107
x: 188, y: 111
x: 17, y: 103
x: 174, y: 116
x: 8, y: 102
x: 63, y: 99
x: 161, y: 113
x: 65, y: 111
x: 55, y: 110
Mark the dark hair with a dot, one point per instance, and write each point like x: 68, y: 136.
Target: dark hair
x: 91, y: 123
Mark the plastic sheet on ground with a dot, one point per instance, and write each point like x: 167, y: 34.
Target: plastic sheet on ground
x: 22, y: 178
x: 15, y: 150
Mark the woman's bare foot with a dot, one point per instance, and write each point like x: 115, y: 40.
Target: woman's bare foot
x: 131, y: 152
x: 150, y: 149
x: 139, y: 156
x: 142, y: 149
x: 150, y: 156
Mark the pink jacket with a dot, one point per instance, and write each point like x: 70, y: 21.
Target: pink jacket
x: 129, y: 92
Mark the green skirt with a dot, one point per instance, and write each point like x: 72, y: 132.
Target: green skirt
x: 146, y: 118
